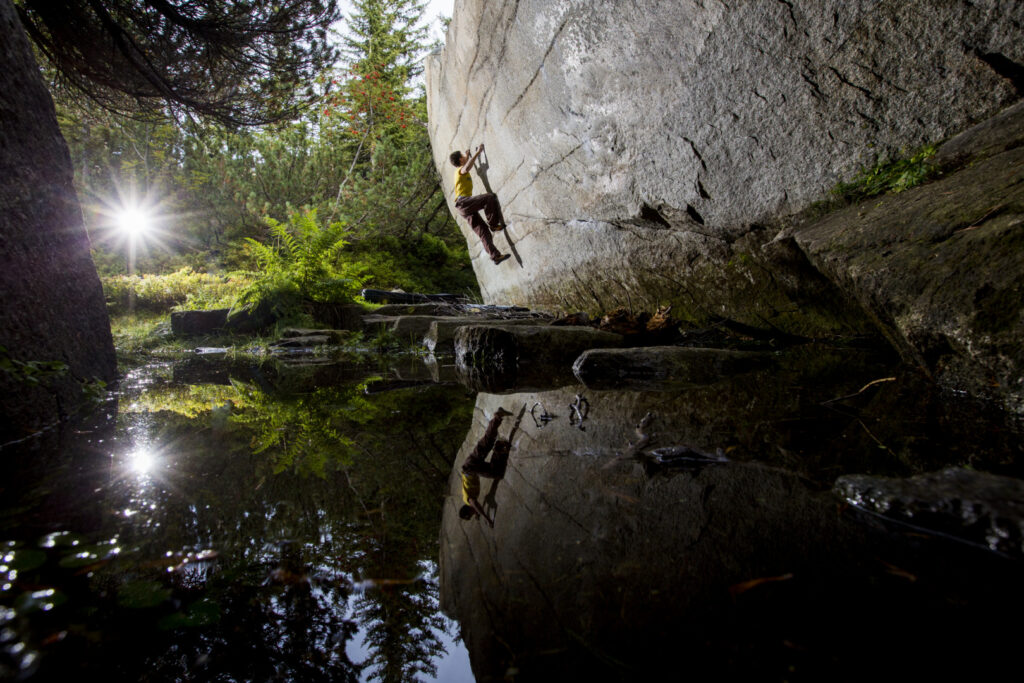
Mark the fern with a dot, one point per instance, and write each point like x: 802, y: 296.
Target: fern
x: 302, y: 264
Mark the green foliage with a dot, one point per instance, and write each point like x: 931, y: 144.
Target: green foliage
x: 418, y: 263
x: 302, y: 265
x: 184, y: 289
x: 889, y: 176
x: 243, y: 63
x: 134, y: 334
x: 108, y: 263
x: 360, y: 157
x: 386, y: 36
x: 95, y: 391
x: 32, y: 372
x: 149, y: 334
x: 305, y: 434
x: 190, y: 400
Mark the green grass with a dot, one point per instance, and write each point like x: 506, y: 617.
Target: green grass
x: 146, y: 335
x: 889, y: 177
x: 181, y: 290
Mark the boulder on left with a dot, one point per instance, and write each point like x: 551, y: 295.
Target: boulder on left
x: 53, y: 314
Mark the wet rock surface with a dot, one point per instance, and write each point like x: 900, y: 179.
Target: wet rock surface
x: 414, y: 322
x: 663, y: 367
x: 941, y: 268
x: 499, y: 358
x: 600, y: 565
x: 979, y: 507
x: 440, y: 336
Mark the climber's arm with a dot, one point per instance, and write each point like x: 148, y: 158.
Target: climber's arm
x: 466, y: 167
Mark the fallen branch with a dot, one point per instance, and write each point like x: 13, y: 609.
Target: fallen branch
x: 862, y: 390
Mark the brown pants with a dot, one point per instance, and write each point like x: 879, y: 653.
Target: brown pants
x: 476, y: 462
x: 470, y: 207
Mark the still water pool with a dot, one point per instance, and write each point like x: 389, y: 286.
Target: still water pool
x: 232, y: 521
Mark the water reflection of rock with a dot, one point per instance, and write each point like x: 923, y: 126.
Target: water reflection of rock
x: 33, y: 473
x: 597, y: 566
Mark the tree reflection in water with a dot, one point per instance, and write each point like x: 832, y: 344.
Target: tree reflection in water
x: 266, y: 530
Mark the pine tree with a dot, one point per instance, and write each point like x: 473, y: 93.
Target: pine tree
x: 387, y: 37
x: 242, y: 62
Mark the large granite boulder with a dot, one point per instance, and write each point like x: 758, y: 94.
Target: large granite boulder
x: 651, y: 152
x: 616, y: 130
x: 54, y: 331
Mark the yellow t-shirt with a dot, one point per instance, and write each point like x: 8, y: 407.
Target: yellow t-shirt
x: 463, y: 184
x: 470, y: 487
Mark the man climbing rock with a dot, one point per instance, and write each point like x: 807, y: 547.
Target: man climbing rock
x: 469, y: 206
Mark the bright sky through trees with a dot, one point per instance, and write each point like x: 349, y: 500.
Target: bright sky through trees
x: 434, y: 9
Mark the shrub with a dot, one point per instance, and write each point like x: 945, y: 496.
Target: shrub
x: 889, y: 176
x: 183, y: 290
x: 417, y: 263
x: 302, y: 265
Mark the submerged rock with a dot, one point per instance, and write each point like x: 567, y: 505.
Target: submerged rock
x: 976, y: 506
x: 499, y: 358
x: 663, y: 367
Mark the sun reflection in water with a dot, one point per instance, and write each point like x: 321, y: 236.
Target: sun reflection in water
x: 143, y: 462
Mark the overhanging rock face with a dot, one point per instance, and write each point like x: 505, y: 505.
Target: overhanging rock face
x: 644, y: 152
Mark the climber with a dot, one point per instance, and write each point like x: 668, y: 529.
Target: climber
x: 469, y: 206
x: 476, y: 466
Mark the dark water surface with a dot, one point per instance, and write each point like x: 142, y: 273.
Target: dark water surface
x: 221, y: 520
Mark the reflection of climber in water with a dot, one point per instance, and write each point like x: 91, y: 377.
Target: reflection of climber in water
x: 477, y: 466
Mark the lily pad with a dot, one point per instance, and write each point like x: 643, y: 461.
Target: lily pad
x: 202, y: 613
x: 42, y: 600
x: 141, y: 594
x: 25, y: 559
x: 61, y: 539
x: 81, y: 557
